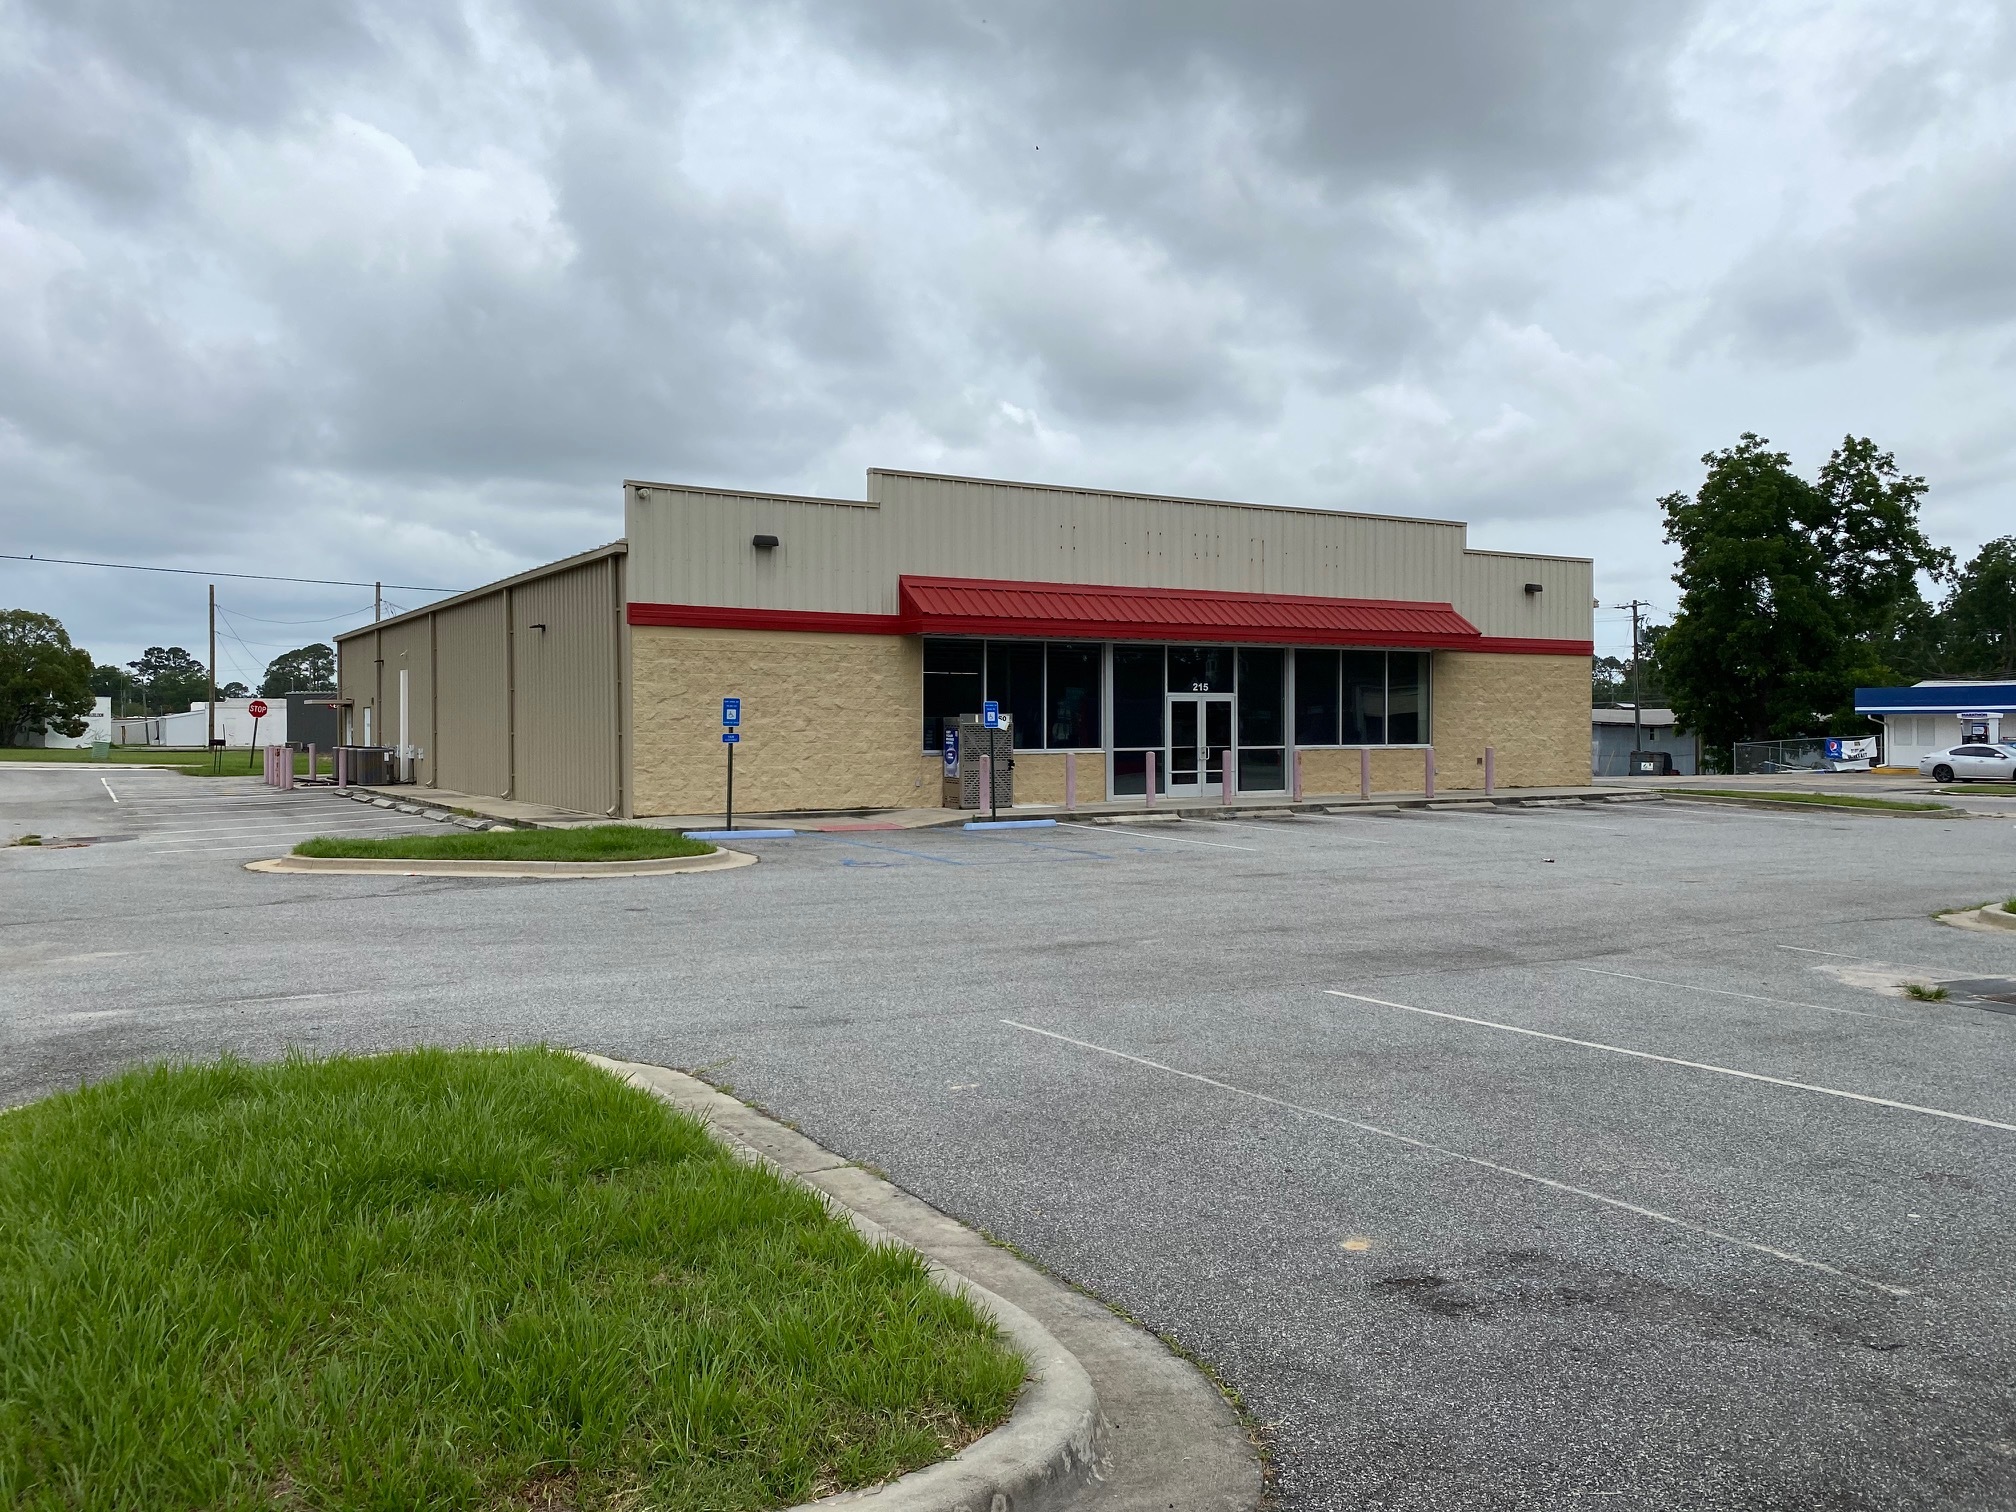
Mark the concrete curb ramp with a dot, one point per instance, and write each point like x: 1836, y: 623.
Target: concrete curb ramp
x: 1149, y: 1432
x: 720, y: 860
x: 1992, y: 917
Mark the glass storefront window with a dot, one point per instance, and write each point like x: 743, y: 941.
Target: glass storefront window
x: 1406, y: 701
x: 952, y: 686
x: 1316, y: 698
x: 1262, y: 771
x: 1364, y: 686
x: 1072, y: 700
x: 1260, y: 677
x: 1051, y: 692
x: 1015, y: 681
x: 1137, y: 696
x: 1200, y: 669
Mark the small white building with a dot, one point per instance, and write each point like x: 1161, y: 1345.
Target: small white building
x: 1936, y: 715
x: 234, y: 724
x: 97, y: 727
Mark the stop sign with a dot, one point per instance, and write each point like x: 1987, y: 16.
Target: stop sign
x: 256, y: 708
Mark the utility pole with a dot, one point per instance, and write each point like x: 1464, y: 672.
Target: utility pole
x: 210, y: 708
x: 1637, y: 678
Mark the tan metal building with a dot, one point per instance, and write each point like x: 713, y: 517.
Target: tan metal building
x: 1133, y: 634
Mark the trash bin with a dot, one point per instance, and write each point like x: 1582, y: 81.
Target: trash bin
x: 101, y: 750
x: 1651, y: 764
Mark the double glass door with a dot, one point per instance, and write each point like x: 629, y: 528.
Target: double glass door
x: 1200, y: 743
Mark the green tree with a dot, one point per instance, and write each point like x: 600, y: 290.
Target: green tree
x: 170, y: 679
x: 45, y: 682
x: 310, y: 669
x: 1794, y: 593
x: 1977, y: 622
x: 1753, y: 651
x: 1869, y: 539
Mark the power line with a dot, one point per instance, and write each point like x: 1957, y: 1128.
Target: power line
x: 349, y: 614
x: 262, y: 577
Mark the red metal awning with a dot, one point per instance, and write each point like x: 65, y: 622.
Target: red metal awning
x: 1086, y: 611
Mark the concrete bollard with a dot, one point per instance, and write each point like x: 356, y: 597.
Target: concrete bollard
x: 1490, y: 770
x: 1070, y: 779
x: 1295, y: 783
x: 1225, y: 778
x: 1364, y: 773
x: 1150, y: 790
x: 1428, y: 771
x: 986, y: 783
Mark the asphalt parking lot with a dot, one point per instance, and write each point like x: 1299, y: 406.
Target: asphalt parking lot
x: 1517, y: 1158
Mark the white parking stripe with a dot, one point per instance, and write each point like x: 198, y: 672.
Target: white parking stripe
x: 273, y: 827
x: 1888, y: 1018
x: 108, y: 790
x: 281, y: 843
x: 1477, y: 1160
x: 1674, y: 1060
x: 1134, y: 829
x: 1328, y: 832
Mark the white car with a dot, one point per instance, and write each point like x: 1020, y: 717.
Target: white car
x: 1962, y: 762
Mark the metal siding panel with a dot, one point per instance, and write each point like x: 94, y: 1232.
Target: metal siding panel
x: 406, y: 645
x: 472, y: 702
x: 692, y: 546
x: 565, y: 739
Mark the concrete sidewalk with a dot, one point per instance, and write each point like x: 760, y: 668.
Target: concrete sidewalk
x: 544, y: 816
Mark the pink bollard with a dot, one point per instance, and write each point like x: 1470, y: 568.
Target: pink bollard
x: 1150, y: 789
x: 1070, y: 779
x: 1490, y: 772
x: 1295, y: 789
x: 1225, y: 778
x: 1428, y: 771
x: 1364, y: 773
x: 986, y: 782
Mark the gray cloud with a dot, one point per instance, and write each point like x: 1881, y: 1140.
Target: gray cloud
x: 363, y: 289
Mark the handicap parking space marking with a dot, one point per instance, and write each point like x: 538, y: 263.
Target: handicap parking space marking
x: 897, y: 850
x: 1497, y: 1167
x: 1691, y: 1065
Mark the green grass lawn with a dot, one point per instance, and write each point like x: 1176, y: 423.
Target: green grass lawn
x: 446, y: 1280
x: 1958, y: 790
x: 595, y: 842
x: 237, y: 762
x: 1818, y: 800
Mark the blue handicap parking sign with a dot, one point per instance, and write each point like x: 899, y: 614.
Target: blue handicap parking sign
x: 990, y: 714
x: 731, y: 712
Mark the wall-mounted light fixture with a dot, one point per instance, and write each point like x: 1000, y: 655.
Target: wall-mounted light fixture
x: 1533, y: 588
x: 764, y: 542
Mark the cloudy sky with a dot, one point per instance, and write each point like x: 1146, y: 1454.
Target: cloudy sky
x: 404, y: 290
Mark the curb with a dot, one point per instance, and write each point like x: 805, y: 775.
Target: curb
x: 1049, y: 1448
x: 378, y: 866
x: 1782, y: 805
x: 1992, y: 918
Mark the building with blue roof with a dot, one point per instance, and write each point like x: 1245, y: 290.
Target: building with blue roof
x: 1932, y: 716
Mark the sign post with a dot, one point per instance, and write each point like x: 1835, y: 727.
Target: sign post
x: 731, y: 736
x: 257, y: 709
x: 990, y: 716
